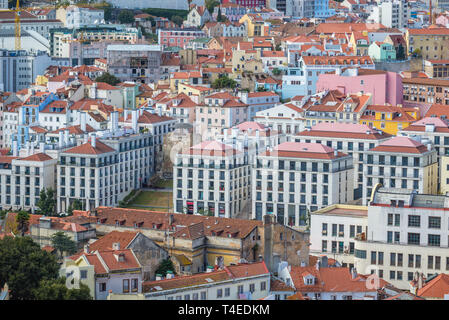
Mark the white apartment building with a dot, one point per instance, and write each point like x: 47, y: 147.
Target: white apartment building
x: 253, y: 136
x: 353, y: 139
x: 18, y: 69
x: 221, y: 110
x: 407, y: 233
x: 211, y: 178
x: 390, y: 13
x: 101, y: 172
x: 77, y: 17
x: 23, y: 178
x: 285, y: 118
x: 250, y: 281
x: 400, y: 162
x: 295, y: 178
x: 9, y: 125
x: 258, y: 101
x: 333, y: 230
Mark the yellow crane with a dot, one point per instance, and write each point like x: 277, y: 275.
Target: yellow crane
x: 17, y: 26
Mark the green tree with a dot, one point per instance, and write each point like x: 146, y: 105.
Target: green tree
x: 75, y: 205
x: 56, y: 289
x: 107, y: 11
x: 22, y: 220
x: 125, y: 16
x: 23, y: 265
x: 400, y: 53
x: 164, y: 266
x: 108, y: 78
x: 219, y: 15
x: 261, y: 89
x: 276, y: 71
x: 211, y: 4
x: 47, y: 202
x: 177, y: 20
x: 61, y: 242
x: 224, y: 82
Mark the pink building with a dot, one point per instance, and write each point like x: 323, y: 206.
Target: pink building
x: 178, y: 37
x: 386, y: 87
x: 443, y: 19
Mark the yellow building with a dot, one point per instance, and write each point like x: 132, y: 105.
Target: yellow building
x: 41, y: 80
x: 246, y: 61
x: 429, y: 42
x: 196, y: 93
x: 444, y: 175
x: 255, y: 24
x: 360, y: 43
x: 389, y: 119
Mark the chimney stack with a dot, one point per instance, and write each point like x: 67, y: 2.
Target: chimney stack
x: 116, y: 246
x: 66, y: 137
x: 86, y: 248
x: 159, y: 277
x: 169, y: 275
x: 93, y: 141
x: 61, y: 138
x: 134, y: 120
x: 41, y: 147
x: 83, y: 121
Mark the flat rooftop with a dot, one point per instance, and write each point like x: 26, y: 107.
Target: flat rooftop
x: 344, y: 210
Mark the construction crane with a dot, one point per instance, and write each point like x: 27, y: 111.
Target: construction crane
x: 17, y: 26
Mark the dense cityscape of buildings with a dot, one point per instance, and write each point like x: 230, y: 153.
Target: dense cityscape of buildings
x: 264, y: 150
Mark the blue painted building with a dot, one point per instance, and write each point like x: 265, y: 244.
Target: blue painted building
x: 322, y: 9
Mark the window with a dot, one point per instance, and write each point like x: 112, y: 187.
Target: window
x: 263, y: 286
x: 392, y: 259
x: 252, y: 288
x: 240, y: 289
x: 414, y: 221
x: 413, y: 238
x: 83, y: 274
x: 135, y: 285
x: 219, y: 293
x: 434, y: 222
x: 373, y: 257
x: 125, y: 285
x: 227, y: 292
x: 430, y: 262
x: 434, y: 240
x: 102, y: 286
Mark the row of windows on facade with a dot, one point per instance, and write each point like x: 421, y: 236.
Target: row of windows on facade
x: 292, y: 177
x: 220, y: 293
x: 414, y: 260
x: 221, y: 185
x: 414, y: 221
x: 105, y: 161
x: 212, y: 195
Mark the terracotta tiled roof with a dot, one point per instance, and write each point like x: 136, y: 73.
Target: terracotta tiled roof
x: 221, y: 227
x: 110, y: 258
x: 344, y: 130
x: 429, y: 31
x: 229, y: 273
x: 278, y: 285
x: 435, y: 288
x: 192, y: 232
x: 148, y: 118
x: 87, y: 148
x: 36, y: 157
x: 76, y: 129
x: 401, y: 145
x: 304, y: 150
x: 336, y: 60
x: 438, y: 110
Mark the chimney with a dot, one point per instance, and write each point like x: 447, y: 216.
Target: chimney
x: 15, y: 149
x: 420, y: 280
x: 42, y: 147
x: 160, y: 112
x: 83, y: 121
x: 93, y: 141
x: 353, y: 273
x: 209, y: 269
x: 116, y: 246
x: 171, y: 218
x: 324, y: 262
x: 235, y: 131
x: 159, y: 277
x: 134, y: 120
x: 27, y: 149
x: 429, y: 147
x: 336, y: 153
x: 86, y: 248
x: 169, y: 275
x: 61, y: 138
x: 125, y: 115
x: 318, y: 263
x: 66, y: 137
x: 86, y: 138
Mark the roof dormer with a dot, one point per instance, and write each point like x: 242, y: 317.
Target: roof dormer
x: 309, y: 279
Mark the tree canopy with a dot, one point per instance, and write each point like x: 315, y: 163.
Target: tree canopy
x: 177, y: 20
x: 47, y: 202
x: 108, y: 78
x: 23, y: 265
x: 63, y: 243
x: 164, y: 266
x: 75, y: 205
x: 224, y: 82
x: 22, y: 219
x: 211, y: 4
x: 125, y: 16
x: 56, y: 289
